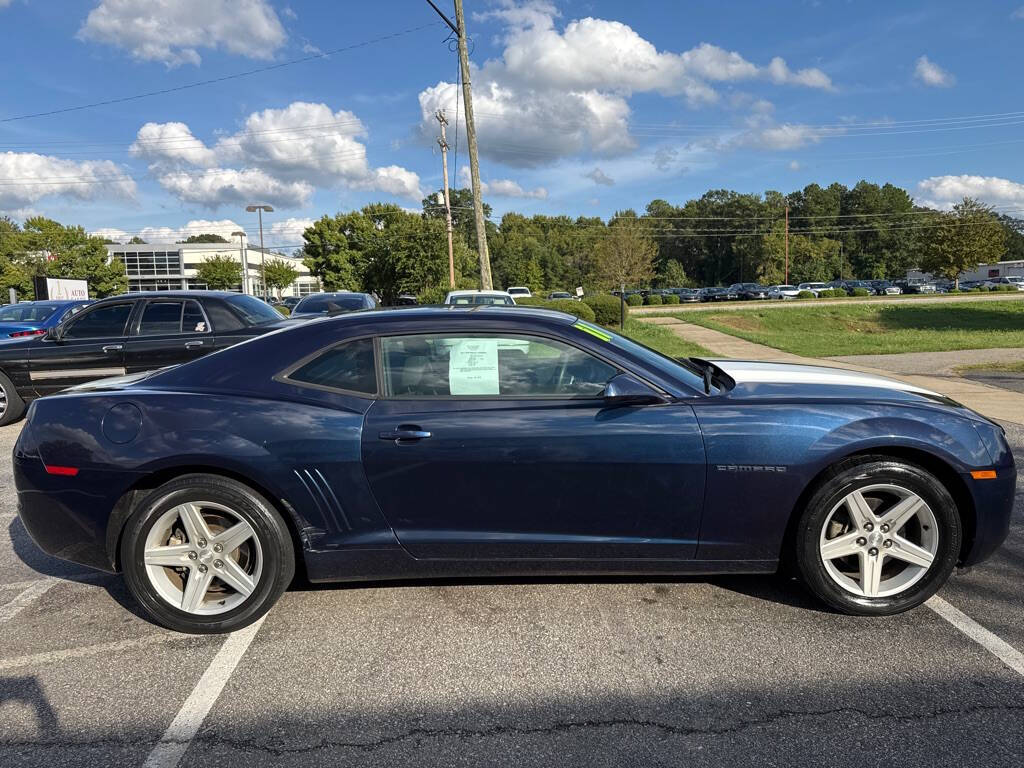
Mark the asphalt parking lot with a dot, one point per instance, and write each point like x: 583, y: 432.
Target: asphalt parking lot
x: 726, y: 671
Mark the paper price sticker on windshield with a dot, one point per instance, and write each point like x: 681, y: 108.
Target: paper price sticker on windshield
x: 473, y: 367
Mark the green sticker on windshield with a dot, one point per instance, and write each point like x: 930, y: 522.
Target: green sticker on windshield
x: 593, y: 330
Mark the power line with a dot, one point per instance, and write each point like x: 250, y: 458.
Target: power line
x: 223, y: 78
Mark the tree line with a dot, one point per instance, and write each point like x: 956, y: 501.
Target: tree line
x: 868, y: 231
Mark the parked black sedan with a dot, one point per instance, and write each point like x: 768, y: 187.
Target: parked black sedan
x: 127, y: 334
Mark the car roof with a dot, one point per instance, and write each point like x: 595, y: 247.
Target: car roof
x: 477, y: 292
x: 197, y: 294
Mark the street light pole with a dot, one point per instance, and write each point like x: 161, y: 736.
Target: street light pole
x: 245, y: 262
x: 259, y: 209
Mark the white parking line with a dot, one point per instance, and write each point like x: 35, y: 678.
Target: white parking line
x: 990, y: 641
x: 28, y: 596
x: 51, y: 657
x: 186, y: 724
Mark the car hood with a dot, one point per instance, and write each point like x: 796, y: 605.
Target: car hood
x: 766, y: 379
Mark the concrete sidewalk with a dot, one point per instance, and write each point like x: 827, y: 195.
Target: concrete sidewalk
x: 993, y: 402
x: 719, y: 306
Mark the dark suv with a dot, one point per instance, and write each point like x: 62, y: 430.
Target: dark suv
x: 127, y: 334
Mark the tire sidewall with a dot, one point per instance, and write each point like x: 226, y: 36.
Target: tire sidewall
x: 15, y: 405
x: 278, y: 558
x: 831, y: 492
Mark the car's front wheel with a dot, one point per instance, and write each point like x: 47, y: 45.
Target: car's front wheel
x: 878, y: 536
x: 206, y: 554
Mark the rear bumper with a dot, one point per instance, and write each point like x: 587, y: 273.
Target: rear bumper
x: 993, y: 504
x: 67, y: 517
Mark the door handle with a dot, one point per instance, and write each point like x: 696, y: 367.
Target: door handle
x: 113, y: 348
x: 193, y: 344
x: 405, y: 433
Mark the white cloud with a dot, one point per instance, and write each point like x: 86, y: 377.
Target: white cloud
x: 943, y: 191
x: 291, y: 227
x: 171, y: 143
x: 4, y: 3
x: 284, y: 152
x: 779, y: 72
x: 794, y: 165
x: 29, y: 177
x: 108, y: 233
x: 931, y: 74
x: 600, y: 177
x: 664, y: 158
x: 784, y: 136
x: 502, y: 187
x: 1018, y: 14
x: 557, y: 93
x: 172, y: 31
x: 214, y: 187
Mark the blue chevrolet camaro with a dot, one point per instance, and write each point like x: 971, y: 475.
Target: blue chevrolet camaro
x: 440, y: 442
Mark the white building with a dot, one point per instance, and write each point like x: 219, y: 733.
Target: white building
x: 172, y: 267
x: 981, y: 272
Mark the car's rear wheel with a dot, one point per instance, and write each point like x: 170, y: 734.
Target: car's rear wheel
x: 11, y: 405
x: 878, y: 537
x: 206, y: 554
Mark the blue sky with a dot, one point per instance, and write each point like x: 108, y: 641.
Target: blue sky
x: 583, y: 108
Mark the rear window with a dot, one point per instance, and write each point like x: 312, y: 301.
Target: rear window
x: 27, y: 312
x: 252, y: 310
x: 325, y: 304
x: 349, y: 366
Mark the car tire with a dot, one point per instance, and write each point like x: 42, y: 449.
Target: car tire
x: 13, y: 407
x: 163, y: 549
x: 851, y: 558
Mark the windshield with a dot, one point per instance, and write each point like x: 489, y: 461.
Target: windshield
x: 27, y: 313
x: 324, y: 304
x: 253, y: 310
x: 482, y: 298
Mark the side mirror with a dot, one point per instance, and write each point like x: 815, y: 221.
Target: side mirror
x: 53, y: 333
x: 626, y: 389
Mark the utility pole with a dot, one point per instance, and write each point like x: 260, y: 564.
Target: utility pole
x: 459, y: 28
x: 474, y: 163
x: 443, y: 141
x: 787, y: 245
x: 245, y: 262
x: 263, y: 254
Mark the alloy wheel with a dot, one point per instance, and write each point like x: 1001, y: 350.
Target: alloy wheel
x: 3, y: 401
x: 879, y: 540
x: 203, y: 558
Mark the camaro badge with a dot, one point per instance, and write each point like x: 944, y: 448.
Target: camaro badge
x: 749, y: 468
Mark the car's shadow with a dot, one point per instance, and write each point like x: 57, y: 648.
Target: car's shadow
x: 29, y: 553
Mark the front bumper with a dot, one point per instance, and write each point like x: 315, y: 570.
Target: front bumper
x: 993, y: 505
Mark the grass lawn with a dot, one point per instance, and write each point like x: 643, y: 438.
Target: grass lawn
x: 662, y: 339
x: 863, y: 329
x: 1015, y: 367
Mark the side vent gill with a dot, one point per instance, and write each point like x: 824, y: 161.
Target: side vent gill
x: 324, y: 498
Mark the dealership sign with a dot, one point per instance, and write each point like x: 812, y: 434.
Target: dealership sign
x: 59, y: 288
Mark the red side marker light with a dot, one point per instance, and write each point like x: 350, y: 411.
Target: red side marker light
x: 66, y: 471
x: 984, y: 474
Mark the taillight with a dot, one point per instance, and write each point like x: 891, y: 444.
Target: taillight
x: 34, y: 332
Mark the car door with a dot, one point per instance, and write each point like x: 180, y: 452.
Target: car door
x: 168, y: 331
x: 501, y: 446
x: 90, y: 346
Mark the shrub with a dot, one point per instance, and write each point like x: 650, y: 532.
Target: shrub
x: 606, y: 308
x: 653, y: 299
x: 861, y: 292
x: 979, y: 289
x: 635, y: 300
x: 805, y: 295
x: 670, y: 299
x: 283, y: 309
x: 569, y: 306
x: 832, y: 293
x: 433, y: 295
x: 1004, y: 287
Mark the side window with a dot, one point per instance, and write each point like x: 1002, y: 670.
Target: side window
x: 161, y: 317
x: 98, y: 323
x: 223, y: 319
x: 523, y: 366
x: 348, y: 366
x: 193, y: 320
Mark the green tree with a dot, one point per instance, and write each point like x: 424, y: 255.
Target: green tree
x: 206, y: 238
x: 671, y: 274
x: 626, y: 253
x: 47, y: 248
x: 962, y: 239
x: 278, y: 274
x: 219, y: 272
x: 137, y: 241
